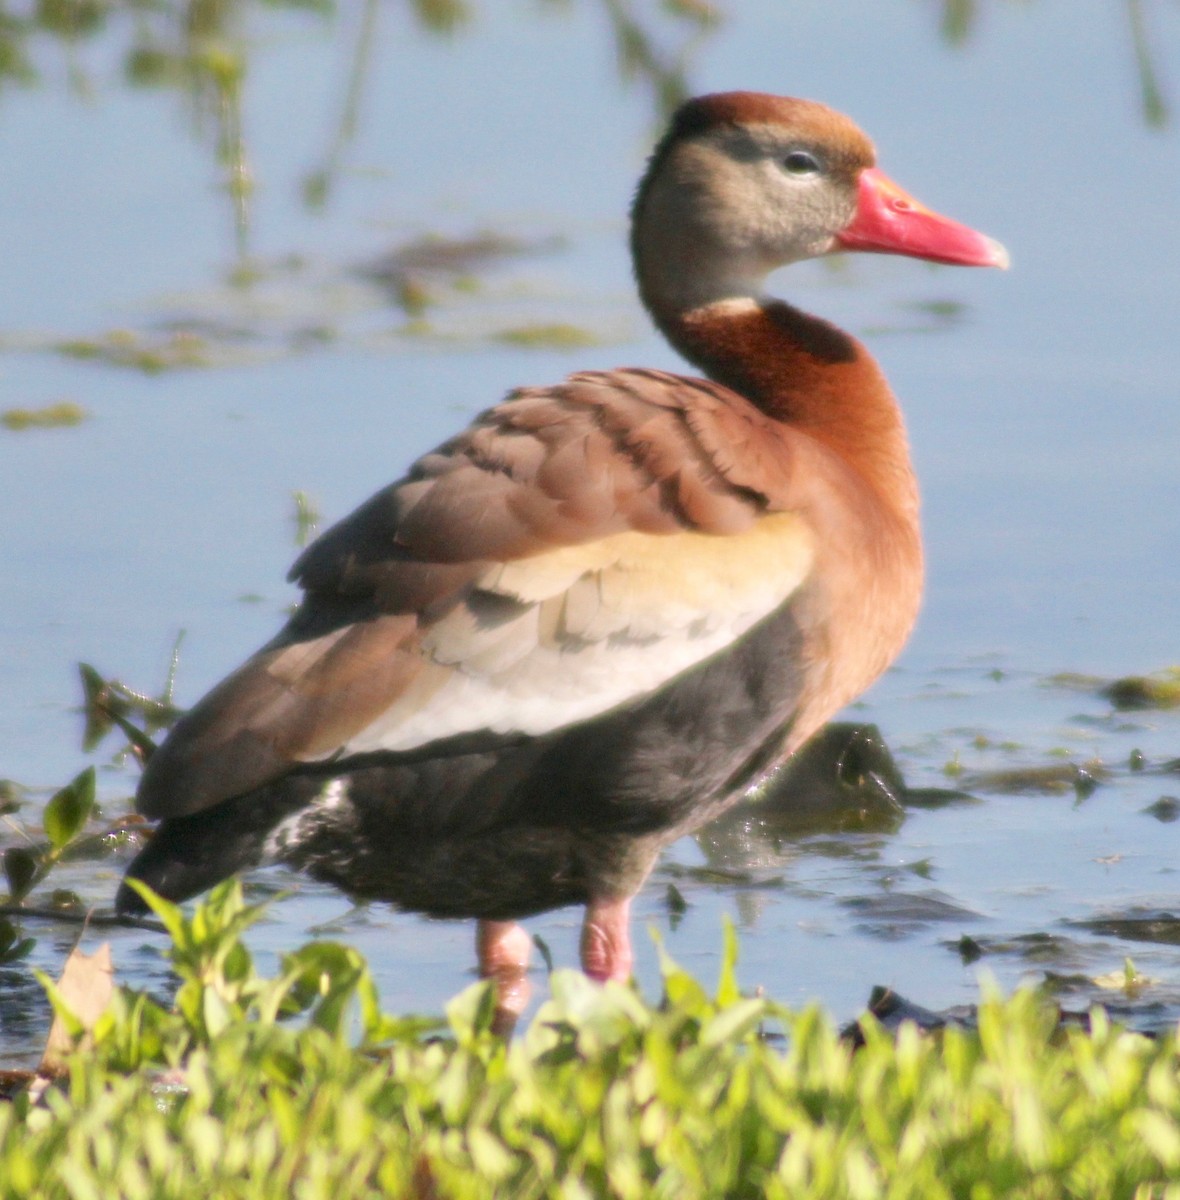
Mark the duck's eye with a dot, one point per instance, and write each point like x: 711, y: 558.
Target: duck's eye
x: 801, y: 162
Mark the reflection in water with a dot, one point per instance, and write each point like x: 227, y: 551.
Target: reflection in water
x: 319, y: 182
x: 843, y: 781
x: 1136, y: 924
x: 826, y: 845
x: 840, y: 796
x: 195, y: 48
x: 642, y: 58
x: 1155, y: 109
x: 23, y: 1017
x: 199, y: 49
x: 958, y: 23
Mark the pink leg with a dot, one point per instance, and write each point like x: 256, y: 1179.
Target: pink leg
x: 503, y: 948
x: 606, y: 939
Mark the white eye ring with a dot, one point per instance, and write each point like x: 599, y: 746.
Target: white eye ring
x: 801, y: 163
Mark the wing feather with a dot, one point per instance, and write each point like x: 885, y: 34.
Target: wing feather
x: 574, y: 548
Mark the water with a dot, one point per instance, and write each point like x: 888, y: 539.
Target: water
x: 1042, y: 405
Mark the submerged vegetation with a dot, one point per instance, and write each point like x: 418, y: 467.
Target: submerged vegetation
x: 203, y: 51
x: 604, y: 1095
x: 64, y: 413
x: 1161, y: 690
x: 845, y: 796
x: 298, y: 1083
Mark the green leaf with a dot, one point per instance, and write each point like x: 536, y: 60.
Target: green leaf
x: 728, y: 991
x: 61, y: 1006
x: 680, y: 989
x: 488, y: 1155
x: 20, y: 869
x: 141, y: 744
x: 215, y: 1012
x: 472, y: 1011
x: 68, y: 811
x: 1160, y: 1135
x: 733, y: 1023
x: 11, y: 950
x: 94, y: 707
x: 170, y: 914
x: 329, y: 975
x: 11, y: 796
x: 544, y: 951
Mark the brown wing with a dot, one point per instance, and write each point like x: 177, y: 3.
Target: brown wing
x: 575, y: 547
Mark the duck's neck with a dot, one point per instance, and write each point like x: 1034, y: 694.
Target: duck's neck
x: 807, y: 373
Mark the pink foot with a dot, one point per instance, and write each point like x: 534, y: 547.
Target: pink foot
x: 503, y: 948
x: 606, y: 939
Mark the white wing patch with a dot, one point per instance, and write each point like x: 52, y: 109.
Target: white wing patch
x: 595, y: 626
x: 288, y: 833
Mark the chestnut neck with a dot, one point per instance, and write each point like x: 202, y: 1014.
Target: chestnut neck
x: 807, y: 373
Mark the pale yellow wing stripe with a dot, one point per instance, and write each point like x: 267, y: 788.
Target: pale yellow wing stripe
x: 576, y: 548
x: 652, y: 583
x: 599, y: 624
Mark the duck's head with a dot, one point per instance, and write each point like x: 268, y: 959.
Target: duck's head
x: 743, y: 183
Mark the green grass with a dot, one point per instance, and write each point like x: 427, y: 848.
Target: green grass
x: 300, y: 1086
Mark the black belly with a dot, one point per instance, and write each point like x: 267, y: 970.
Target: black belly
x: 505, y: 826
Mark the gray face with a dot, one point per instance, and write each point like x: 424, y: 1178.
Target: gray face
x: 729, y: 206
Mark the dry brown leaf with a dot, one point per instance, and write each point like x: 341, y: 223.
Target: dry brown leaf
x: 86, y: 984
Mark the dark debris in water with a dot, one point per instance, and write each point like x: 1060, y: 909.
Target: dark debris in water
x: 288, y: 306
x: 108, y: 704
x: 1129, y: 693
x: 413, y: 274
x: 1033, y: 948
x: 455, y: 255
x: 675, y: 904
x: 1053, y: 778
x: 1136, y: 925
x: 970, y: 950
x: 546, y: 336
x: 935, y: 798
x: 1165, y: 810
x: 1136, y: 692
x: 896, y: 914
x: 844, y: 782
x: 892, y: 1011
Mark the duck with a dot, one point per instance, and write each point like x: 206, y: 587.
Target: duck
x: 592, y: 620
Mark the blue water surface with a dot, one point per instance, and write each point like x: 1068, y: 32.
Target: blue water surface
x: 1043, y: 406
